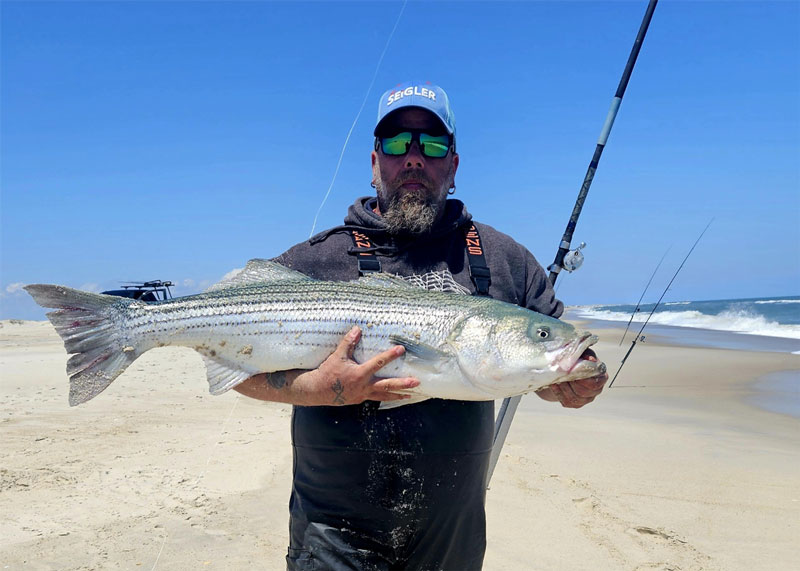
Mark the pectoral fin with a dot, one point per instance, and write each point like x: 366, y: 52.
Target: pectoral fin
x: 420, y: 350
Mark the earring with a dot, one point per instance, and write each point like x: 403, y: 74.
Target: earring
x: 452, y: 190
x: 372, y: 184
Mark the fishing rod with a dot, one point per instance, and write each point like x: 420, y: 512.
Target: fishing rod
x: 638, y: 335
x: 566, y: 259
x: 639, y: 303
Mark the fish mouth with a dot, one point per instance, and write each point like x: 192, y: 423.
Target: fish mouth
x: 570, y: 353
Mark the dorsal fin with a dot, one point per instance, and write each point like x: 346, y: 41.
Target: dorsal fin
x: 441, y: 280
x: 259, y: 270
x: 437, y: 280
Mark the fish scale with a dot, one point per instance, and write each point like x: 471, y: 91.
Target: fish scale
x: 272, y: 319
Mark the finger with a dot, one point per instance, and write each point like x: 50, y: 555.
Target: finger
x: 391, y: 385
x: 546, y: 393
x: 567, y: 396
x: 384, y: 396
x: 380, y: 360
x: 348, y: 344
x: 590, y: 387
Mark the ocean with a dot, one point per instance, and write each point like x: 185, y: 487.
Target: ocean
x: 763, y: 323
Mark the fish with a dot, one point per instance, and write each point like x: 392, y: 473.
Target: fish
x: 272, y: 318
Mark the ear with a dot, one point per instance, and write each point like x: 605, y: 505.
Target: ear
x: 376, y: 173
x: 455, y: 167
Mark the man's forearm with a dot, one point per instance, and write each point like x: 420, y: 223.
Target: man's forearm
x: 276, y: 387
x: 296, y: 386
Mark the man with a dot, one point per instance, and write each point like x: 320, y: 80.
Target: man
x: 402, y: 488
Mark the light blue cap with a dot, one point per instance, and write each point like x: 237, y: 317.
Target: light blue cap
x: 420, y: 94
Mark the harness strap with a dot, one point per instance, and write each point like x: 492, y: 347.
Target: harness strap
x: 368, y: 262
x: 478, y: 269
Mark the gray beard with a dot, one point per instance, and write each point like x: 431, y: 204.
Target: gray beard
x: 409, y: 214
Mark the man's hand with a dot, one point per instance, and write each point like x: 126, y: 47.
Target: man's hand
x: 339, y: 380
x: 575, y: 394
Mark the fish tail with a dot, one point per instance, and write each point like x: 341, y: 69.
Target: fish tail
x: 88, y: 325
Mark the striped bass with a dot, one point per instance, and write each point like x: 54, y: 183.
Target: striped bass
x: 270, y: 318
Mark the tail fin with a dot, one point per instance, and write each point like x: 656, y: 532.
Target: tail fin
x: 87, y: 323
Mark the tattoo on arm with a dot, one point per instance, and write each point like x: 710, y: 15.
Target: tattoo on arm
x: 338, y: 390
x: 276, y: 380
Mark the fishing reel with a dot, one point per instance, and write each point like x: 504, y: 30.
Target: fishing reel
x: 573, y: 259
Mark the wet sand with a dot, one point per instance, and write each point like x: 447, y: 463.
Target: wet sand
x: 675, y: 467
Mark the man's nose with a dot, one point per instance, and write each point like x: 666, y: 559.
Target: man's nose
x: 414, y: 157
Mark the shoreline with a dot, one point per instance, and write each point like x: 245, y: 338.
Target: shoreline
x: 684, y: 336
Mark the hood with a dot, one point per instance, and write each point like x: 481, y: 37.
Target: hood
x: 362, y: 217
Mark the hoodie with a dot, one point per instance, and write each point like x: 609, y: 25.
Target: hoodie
x: 516, y: 275
x: 409, y: 481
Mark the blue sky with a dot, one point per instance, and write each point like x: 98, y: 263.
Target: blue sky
x: 176, y: 140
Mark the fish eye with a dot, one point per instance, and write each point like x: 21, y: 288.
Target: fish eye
x: 543, y: 332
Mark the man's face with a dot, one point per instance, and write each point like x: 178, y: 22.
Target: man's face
x: 412, y: 188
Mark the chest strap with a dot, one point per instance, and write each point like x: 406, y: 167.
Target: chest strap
x: 367, y: 261
x: 478, y: 270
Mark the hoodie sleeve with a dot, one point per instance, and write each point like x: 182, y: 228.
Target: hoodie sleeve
x: 516, y: 275
x: 539, y: 293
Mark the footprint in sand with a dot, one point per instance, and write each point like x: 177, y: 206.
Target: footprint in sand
x: 642, y: 530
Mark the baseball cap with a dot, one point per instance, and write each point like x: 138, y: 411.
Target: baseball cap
x: 420, y: 94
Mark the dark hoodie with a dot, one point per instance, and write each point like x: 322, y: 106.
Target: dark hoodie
x: 409, y: 482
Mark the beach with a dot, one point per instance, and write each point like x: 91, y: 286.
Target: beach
x: 683, y: 464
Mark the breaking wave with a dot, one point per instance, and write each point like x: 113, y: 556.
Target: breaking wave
x: 734, y: 320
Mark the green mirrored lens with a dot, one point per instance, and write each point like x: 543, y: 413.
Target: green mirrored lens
x: 430, y: 145
x: 436, y: 147
x: 397, y: 145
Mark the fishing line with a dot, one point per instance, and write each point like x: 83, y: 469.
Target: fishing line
x: 363, y: 103
x: 163, y: 543
x: 208, y: 461
x: 639, y: 303
x: 638, y: 335
x: 216, y: 442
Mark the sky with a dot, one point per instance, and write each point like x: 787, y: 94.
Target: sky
x: 177, y: 140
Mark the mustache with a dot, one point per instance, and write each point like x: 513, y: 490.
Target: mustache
x: 407, y: 176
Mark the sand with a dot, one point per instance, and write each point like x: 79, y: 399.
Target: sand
x: 674, y: 468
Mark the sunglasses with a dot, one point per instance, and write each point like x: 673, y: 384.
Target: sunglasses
x: 429, y: 145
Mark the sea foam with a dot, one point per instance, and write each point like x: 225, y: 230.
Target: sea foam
x: 734, y: 320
